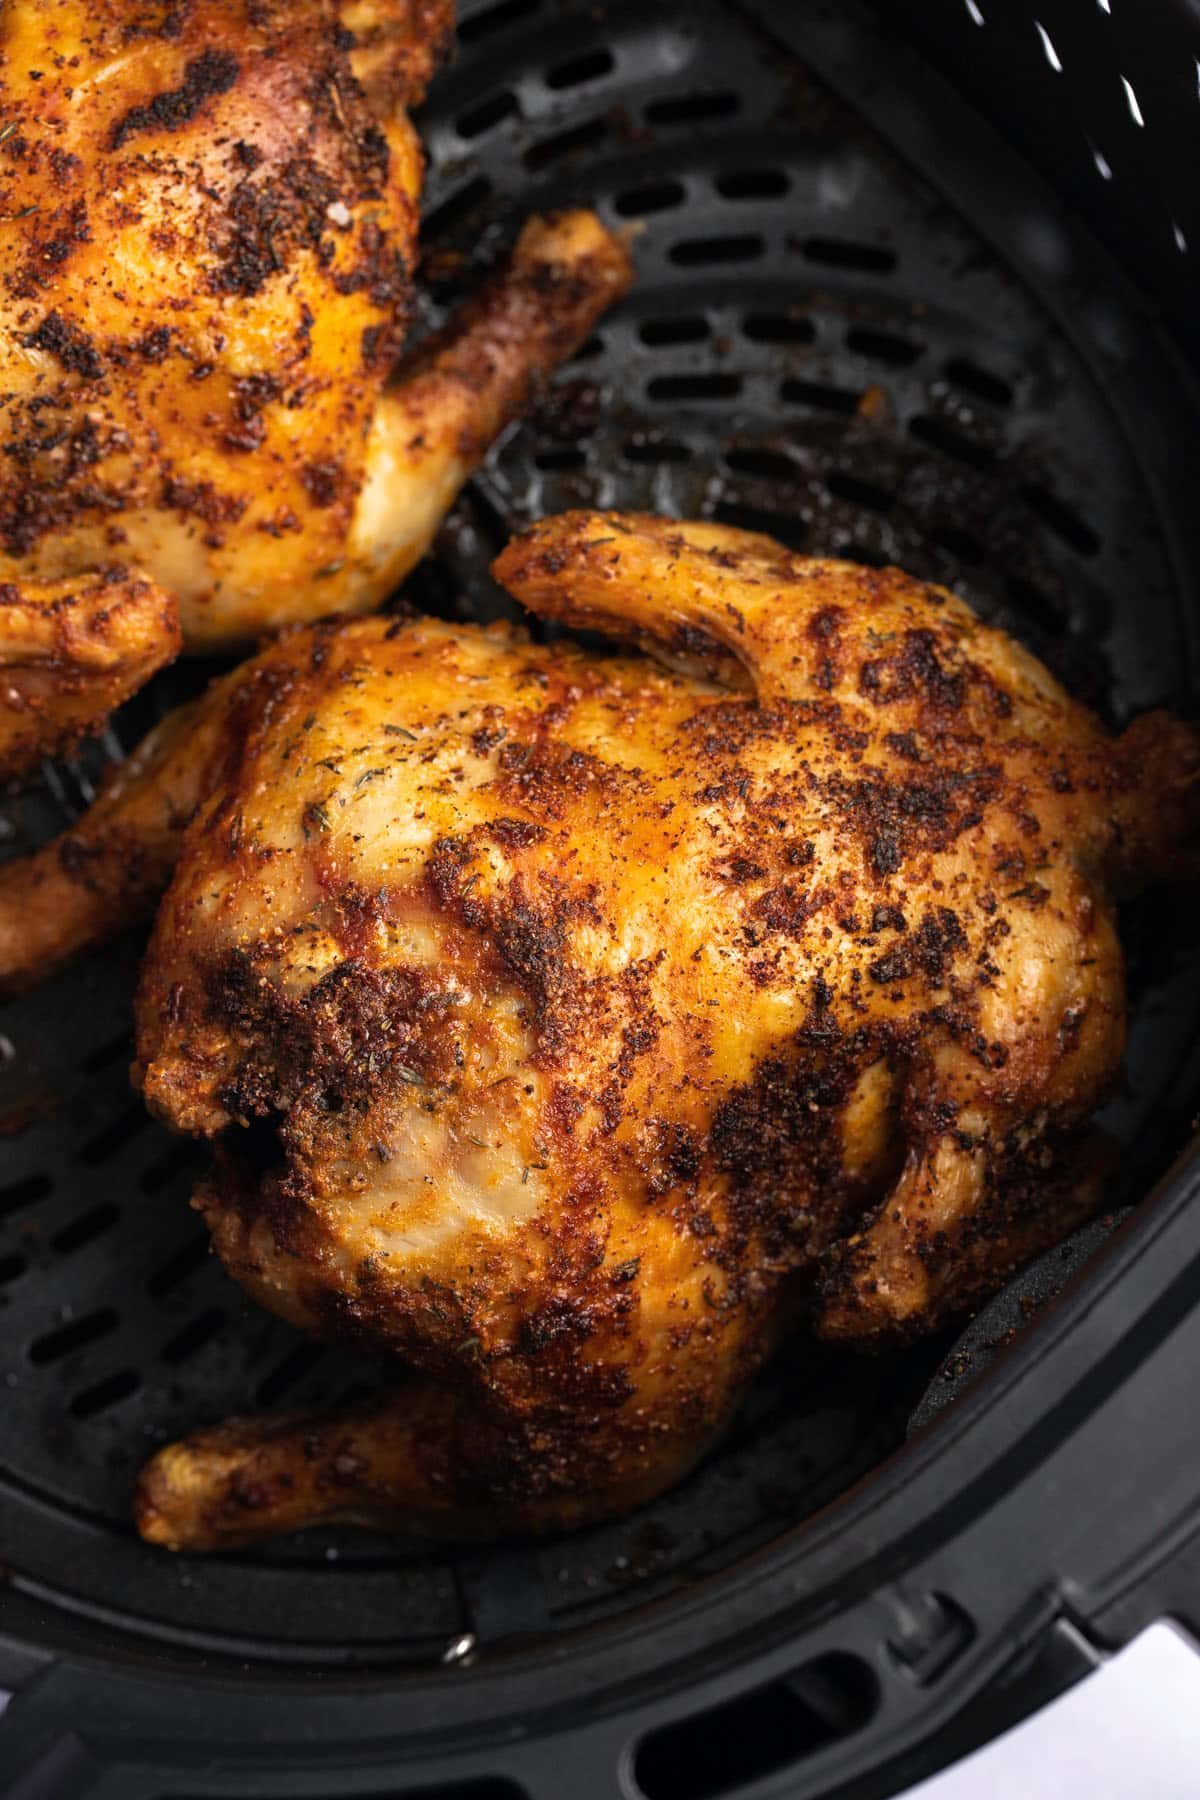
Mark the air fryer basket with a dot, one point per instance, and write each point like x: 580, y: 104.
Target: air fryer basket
x: 863, y: 324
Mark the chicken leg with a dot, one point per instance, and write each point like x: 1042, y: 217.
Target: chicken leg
x: 416, y: 1459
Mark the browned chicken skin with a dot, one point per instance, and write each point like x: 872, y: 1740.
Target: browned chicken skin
x: 206, y: 278
x: 568, y: 1027
x: 70, y: 651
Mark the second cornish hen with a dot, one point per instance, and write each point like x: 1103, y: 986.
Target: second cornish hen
x: 207, y: 276
x: 567, y: 1026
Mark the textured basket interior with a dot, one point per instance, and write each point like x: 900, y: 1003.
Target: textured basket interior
x: 816, y: 346
x: 1104, y: 93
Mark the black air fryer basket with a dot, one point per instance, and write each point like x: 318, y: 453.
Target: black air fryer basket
x: 918, y: 285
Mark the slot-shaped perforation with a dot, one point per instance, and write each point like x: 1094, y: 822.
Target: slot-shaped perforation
x: 822, y: 396
x: 199, y: 1332
x: 858, y: 492
x: 101, y: 1395
x: 658, y: 333
x: 88, y: 1225
x: 884, y: 347
x: 759, y: 1733
x: 179, y: 1267
x: 789, y: 531
x: 846, y: 253
x: 1061, y: 519
x: 103, y: 1145
x: 488, y: 114
x: 565, y: 456
x: 73, y: 1335
x: 720, y: 384
x: 767, y: 465
x: 961, y: 545
x: 16, y: 1196
x: 778, y: 328
x: 653, y: 197
x: 694, y: 109
x: 939, y: 435
x: 560, y: 145
x: 459, y: 206
x: 984, y: 384
x: 178, y: 1158
x: 752, y: 184
x: 589, y: 65
x: 299, y: 1363
x: 731, y: 247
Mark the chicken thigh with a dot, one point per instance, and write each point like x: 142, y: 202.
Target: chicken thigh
x: 206, y: 280
x: 567, y: 1026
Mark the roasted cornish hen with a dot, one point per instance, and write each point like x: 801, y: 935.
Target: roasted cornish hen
x: 206, y: 280
x: 567, y: 1025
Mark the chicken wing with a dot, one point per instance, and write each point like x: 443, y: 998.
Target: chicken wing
x: 70, y: 651
x: 107, y: 871
x: 206, y: 282
x: 567, y: 1026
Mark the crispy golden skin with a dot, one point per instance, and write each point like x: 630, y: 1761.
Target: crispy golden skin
x: 206, y: 274
x: 70, y: 651
x: 565, y: 1026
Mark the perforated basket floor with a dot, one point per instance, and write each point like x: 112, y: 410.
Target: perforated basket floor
x: 817, y: 346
